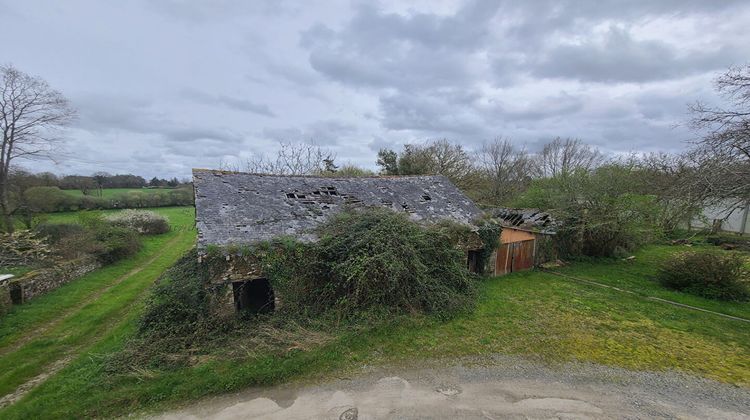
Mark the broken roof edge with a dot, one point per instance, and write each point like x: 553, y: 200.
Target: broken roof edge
x: 532, y: 220
x: 225, y: 172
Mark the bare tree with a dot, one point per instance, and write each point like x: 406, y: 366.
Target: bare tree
x: 293, y: 159
x: 562, y: 157
x: 505, y: 169
x: 723, y: 153
x: 670, y: 178
x: 31, y: 112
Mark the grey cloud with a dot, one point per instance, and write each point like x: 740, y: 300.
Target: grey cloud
x: 188, y: 134
x: 406, y: 68
x: 197, y: 11
x: 198, y: 81
x: 209, y: 147
x: 559, y: 105
x: 104, y: 113
x: 529, y: 24
x: 620, y: 58
x: 430, y: 114
x: 465, y: 30
x: 419, y: 51
x: 326, y: 132
x: 229, y: 102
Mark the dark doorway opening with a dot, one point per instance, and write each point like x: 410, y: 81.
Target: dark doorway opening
x: 472, y: 261
x: 253, y: 296
x: 16, y: 294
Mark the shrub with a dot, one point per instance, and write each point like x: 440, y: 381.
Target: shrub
x: 46, y: 199
x: 142, y: 221
x: 109, y: 243
x: 375, y: 260
x: 55, y: 232
x: 490, y: 234
x: 707, y: 273
x: 114, y: 243
x: 69, y: 240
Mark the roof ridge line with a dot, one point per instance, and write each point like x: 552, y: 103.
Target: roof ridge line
x: 226, y: 172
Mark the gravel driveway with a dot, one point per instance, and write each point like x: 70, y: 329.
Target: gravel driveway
x: 488, y: 388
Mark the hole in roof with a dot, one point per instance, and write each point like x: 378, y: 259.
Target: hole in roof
x: 426, y: 197
x: 289, y: 195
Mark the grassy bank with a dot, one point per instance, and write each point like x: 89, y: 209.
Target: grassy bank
x: 533, y: 314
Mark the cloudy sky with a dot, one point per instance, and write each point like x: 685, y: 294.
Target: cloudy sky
x: 165, y: 85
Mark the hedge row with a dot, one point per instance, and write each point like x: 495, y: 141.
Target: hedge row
x: 53, y: 199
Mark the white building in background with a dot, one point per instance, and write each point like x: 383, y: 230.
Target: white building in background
x: 725, y: 218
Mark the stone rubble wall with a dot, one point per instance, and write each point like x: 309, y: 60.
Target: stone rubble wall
x: 39, y: 282
x: 5, y: 302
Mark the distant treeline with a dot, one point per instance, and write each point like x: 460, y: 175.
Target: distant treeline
x: 31, y: 194
x: 93, y: 183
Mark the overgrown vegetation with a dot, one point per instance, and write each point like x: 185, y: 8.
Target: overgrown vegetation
x: 711, y: 274
x: 367, y: 266
x: 108, y: 238
x: 489, y: 233
x: 601, y: 213
x: 92, y: 235
x: 378, y: 259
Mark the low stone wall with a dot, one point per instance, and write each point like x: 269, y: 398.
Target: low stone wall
x: 41, y: 281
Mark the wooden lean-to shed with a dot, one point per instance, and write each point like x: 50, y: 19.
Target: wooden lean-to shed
x: 525, y: 241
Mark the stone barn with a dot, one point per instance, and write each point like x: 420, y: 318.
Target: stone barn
x: 237, y: 209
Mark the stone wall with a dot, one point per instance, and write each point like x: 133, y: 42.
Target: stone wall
x: 5, y: 301
x: 41, y: 281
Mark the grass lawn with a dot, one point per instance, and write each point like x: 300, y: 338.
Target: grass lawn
x: 534, y: 314
x: 68, y: 322
x: 638, y: 275
x: 111, y: 192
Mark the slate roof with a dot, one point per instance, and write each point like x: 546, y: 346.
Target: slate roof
x: 242, y: 208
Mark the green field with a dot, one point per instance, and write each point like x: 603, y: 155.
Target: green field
x: 111, y: 192
x: 533, y: 314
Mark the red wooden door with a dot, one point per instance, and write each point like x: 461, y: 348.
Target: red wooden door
x: 523, y: 255
x: 515, y: 256
x: 504, y: 260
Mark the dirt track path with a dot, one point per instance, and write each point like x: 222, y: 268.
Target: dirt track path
x: 53, y: 330
x: 500, y: 387
x: 39, y: 330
